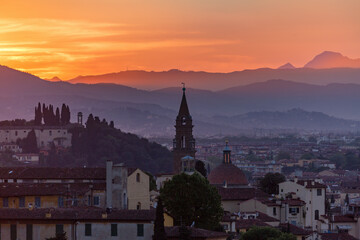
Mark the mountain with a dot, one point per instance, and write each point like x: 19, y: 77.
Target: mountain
x: 219, y: 81
x: 330, y: 59
x: 286, y: 66
x: 54, y: 79
x: 152, y: 113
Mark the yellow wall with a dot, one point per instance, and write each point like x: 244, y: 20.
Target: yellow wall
x: 138, y: 191
x: 168, y: 220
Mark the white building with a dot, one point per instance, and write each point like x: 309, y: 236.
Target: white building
x: 309, y: 191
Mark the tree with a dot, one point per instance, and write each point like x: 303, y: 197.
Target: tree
x: 38, y: 115
x: 29, y: 144
x: 269, y: 183
x: 191, y: 199
x: 268, y: 233
x: 59, y: 236
x: 200, y: 167
x: 57, y: 117
x: 159, y: 229
x: 282, y: 155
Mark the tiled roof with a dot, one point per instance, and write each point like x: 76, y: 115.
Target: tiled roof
x: 173, y: 232
x: 248, y: 223
x: 263, y: 217
x: 78, y: 213
x: 52, y: 173
x: 287, y: 227
x: 240, y: 194
x: 47, y: 189
x: 343, y: 218
x: 336, y: 236
x: 229, y: 173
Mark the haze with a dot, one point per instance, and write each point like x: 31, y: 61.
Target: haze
x: 70, y: 38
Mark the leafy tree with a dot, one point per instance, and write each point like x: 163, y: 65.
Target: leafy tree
x: 282, y: 155
x: 38, y: 115
x: 308, y: 156
x: 268, y: 233
x: 200, y: 167
x: 159, y: 229
x: 191, y: 199
x: 269, y: 183
x: 152, y: 182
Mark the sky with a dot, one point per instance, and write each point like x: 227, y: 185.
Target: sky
x: 67, y: 38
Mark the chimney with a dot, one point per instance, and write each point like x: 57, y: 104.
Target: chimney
x: 109, y: 165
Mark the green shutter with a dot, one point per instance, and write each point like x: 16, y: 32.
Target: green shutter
x: 29, y: 232
x: 88, y: 229
x: 140, y: 230
x: 114, y: 231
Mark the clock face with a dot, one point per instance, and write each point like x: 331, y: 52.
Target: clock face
x: 183, y: 120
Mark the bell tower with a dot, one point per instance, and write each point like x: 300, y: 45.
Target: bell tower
x: 184, y: 142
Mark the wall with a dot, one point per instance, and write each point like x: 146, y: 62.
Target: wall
x: 138, y: 192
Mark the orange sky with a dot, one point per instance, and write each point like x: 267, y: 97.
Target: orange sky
x: 67, y: 38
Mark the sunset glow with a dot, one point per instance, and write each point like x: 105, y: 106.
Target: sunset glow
x: 69, y: 38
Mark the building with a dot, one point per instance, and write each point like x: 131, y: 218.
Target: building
x: 78, y: 223
x: 309, y: 191
x: 45, y: 135
x: 138, y: 189
x: 184, y: 142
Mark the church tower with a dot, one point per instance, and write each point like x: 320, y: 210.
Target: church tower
x: 184, y: 142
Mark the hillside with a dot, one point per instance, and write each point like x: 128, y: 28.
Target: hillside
x: 330, y: 59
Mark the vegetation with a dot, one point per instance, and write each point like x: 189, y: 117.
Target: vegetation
x: 159, y: 229
x: 29, y: 144
x: 50, y: 117
x: 283, y: 155
x: 269, y: 183
x: 348, y: 160
x: 269, y: 233
x: 191, y: 199
x: 100, y: 141
x: 200, y: 167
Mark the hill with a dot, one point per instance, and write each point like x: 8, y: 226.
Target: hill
x: 330, y: 59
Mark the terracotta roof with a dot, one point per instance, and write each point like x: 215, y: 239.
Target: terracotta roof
x: 343, y: 218
x: 173, y: 232
x: 241, y: 194
x: 52, y: 173
x: 336, y: 236
x: 287, y: 227
x: 78, y: 214
x: 47, y: 189
x: 248, y: 223
x: 263, y: 217
x: 229, y: 173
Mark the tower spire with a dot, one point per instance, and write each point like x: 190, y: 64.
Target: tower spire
x: 184, y: 109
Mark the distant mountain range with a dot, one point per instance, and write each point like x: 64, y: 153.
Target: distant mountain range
x: 257, y: 102
x: 327, y: 67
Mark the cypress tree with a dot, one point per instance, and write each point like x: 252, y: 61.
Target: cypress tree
x: 62, y: 117
x: 159, y: 229
x: 57, y: 116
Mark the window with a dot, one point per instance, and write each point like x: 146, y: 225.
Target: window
x: 13, y: 232
x: 5, y: 202
x: 87, y: 229
x: 61, y: 202
x: 138, y: 177
x: 37, y: 202
x: 293, y: 210
x: 319, y: 192
x: 50, y: 133
x: 316, y: 214
x: 114, y: 232
x: 274, y: 211
x: 29, y: 231
x: 282, y: 190
x: 21, y: 201
x: 138, y: 206
x: 59, y: 229
x: 96, y: 201
x: 140, y: 230
x: 16, y: 133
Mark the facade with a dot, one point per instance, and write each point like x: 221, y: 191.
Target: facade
x: 45, y: 135
x: 184, y: 142
x: 77, y: 223
x: 312, y: 193
x: 138, y: 190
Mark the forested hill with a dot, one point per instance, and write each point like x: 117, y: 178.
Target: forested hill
x: 100, y: 141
